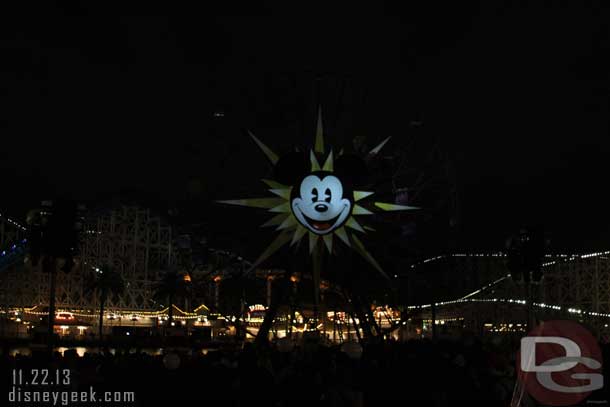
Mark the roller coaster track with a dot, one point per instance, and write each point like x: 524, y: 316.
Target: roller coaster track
x: 576, y: 284
x: 12, y: 242
x: 13, y: 255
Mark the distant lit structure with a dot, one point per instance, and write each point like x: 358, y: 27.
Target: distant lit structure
x: 136, y: 243
x: 574, y: 287
x: 315, y: 197
x: 480, y: 295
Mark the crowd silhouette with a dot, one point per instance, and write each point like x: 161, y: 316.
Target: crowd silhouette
x: 470, y: 371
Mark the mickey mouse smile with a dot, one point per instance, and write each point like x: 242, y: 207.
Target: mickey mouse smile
x: 320, y: 225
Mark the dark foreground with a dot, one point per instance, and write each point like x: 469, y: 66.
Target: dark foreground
x: 418, y: 373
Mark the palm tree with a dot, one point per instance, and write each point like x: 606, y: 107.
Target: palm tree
x: 172, y: 286
x: 54, y: 234
x: 105, y: 282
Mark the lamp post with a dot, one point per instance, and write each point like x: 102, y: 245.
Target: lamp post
x: 270, y: 278
x: 294, y: 279
x: 525, y: 255
x: 217, y: 280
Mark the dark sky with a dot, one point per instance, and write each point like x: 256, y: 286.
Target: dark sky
x: 98, y: 102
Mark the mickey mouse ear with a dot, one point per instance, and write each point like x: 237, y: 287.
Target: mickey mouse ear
x: 352, y: 169
x: 291, y: 168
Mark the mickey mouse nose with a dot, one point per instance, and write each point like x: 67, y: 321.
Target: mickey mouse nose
x: 321, y: 208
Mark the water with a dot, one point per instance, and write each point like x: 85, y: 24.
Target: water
x: 81, y: 350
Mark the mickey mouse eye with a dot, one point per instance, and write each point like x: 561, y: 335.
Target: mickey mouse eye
x: 327, y: 195
x: 314, y: 193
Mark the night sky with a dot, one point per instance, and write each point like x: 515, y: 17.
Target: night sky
x: 98, y: 103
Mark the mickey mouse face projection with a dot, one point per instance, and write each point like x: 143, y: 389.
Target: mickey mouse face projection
x: 318, y: 201
x: 320, y: 205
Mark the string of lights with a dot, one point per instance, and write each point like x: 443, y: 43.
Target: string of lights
x: 120, y: 314
x: 163, y: 314
x: 446, y: 256
x: 12, y: 222
x: 513, y: 301
x: 488, y: 286
x: 563, y: 256
x: 196, y: 314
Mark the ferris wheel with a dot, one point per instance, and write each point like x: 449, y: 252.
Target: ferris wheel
x: 416, y: 167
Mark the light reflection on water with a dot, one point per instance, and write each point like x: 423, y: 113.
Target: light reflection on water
x: 81, y: 350
x: 20, y: 351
